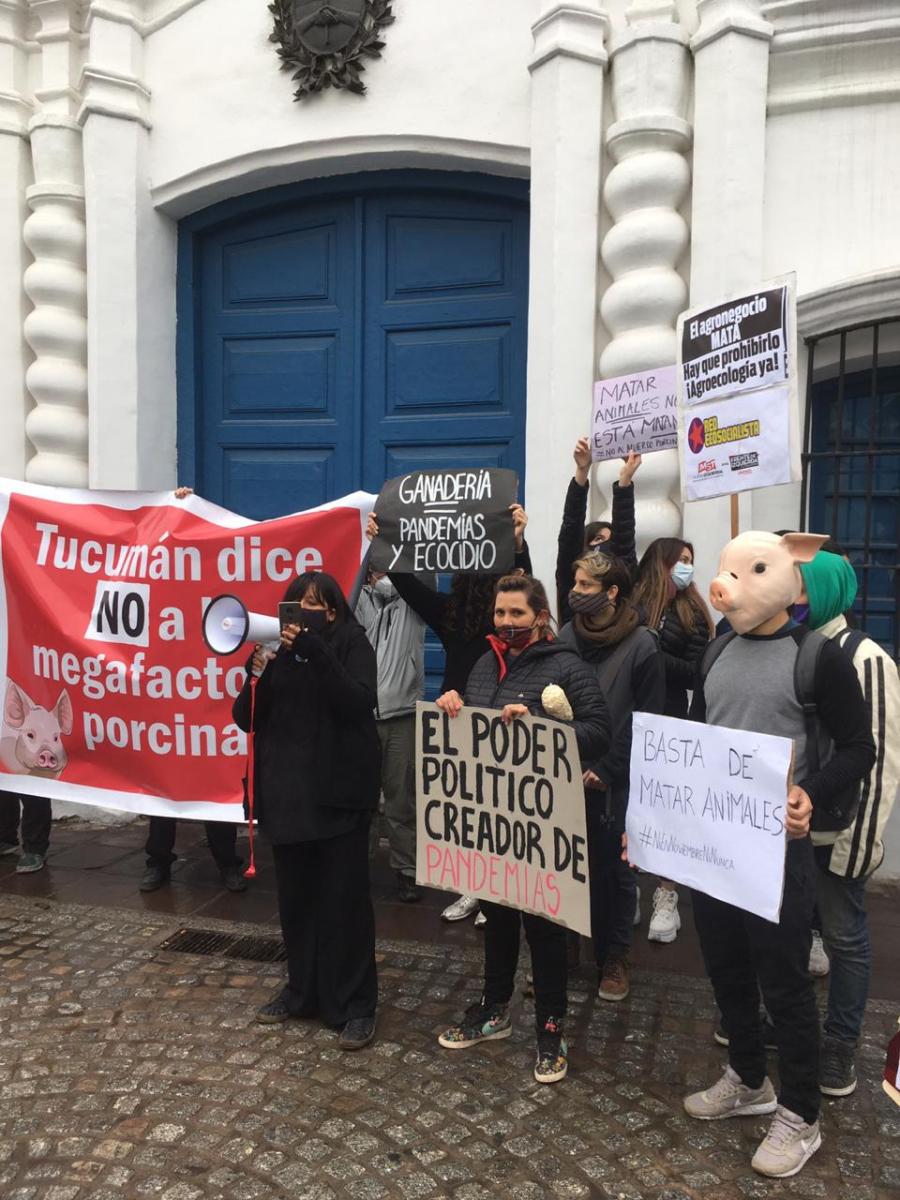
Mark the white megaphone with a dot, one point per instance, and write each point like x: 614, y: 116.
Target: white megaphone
x: 228, y: 624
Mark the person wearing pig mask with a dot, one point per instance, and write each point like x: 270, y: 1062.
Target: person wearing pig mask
x: 749, y: 684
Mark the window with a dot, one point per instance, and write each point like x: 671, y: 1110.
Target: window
x: 851, y: 464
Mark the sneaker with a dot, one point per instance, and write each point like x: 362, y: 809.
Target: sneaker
x: 552, y: 1060
x: 479, y: 1024
x: 274, y: 1012
x: 819, y: 962
x: 665, y: 920
x: 234, y: 879
x: 29, y: 863
x: 731, y: 1098
x: 358, y: 1032
x: 480, y: 920
x: 768, y: 1029
x: 461, y: 908
x: 153, y: 878
x: 407, y: 889
x: 614, y: 983
x: 837, y: 1070
x: 637, y: 906
x: 789, y: 1144
x: 8, y: 848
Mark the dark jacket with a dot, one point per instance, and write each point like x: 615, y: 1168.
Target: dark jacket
x: 570, y: 543
x: 317, y: 754
x: 433, y: 607
x: 632, y: 678
x: 681, y: 651
x: 526, y: 676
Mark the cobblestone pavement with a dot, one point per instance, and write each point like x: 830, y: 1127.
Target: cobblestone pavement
x: 130, y: 1072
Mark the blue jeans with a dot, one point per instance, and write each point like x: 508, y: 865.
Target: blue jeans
x: 845, y: 931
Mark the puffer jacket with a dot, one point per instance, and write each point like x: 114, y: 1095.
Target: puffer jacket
x: 499, y: 680
x: 681, y: 650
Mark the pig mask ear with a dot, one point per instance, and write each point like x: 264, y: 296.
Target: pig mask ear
x: 63, y: 710
x: 16, y: 706
x: 803, y: 547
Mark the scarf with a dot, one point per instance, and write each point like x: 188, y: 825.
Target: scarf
x: 607, y: 628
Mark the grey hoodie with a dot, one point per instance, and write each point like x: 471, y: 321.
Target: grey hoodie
x: 398, y: 636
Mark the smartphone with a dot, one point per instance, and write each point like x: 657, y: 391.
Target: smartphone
x: 290, y: 613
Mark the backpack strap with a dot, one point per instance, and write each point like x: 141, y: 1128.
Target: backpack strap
x: 712, y: 652
x: 805, y: 667
x: 850, y: 641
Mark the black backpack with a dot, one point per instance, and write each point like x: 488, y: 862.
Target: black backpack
x: 842, y: 809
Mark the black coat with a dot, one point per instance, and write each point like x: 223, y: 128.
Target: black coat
x: 527, y: 675
x: 317, y: 754
x: 570, y: 543
x: 681, y: 650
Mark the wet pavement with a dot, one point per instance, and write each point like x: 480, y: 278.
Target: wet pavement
x: 130, y: 1071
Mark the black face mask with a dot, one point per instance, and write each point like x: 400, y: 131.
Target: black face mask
x: 314, y: 619
x: 589, y: 604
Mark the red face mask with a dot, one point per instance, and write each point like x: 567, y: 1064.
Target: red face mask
x: 515, y: 638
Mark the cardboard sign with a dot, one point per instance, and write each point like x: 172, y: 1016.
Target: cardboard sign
x: 438, y: 521
x: 635, y: 413
x: 707, y: 807
x: 736, y: 346
x: 102, y: 658
x: 733, y: 445
x: 500, y: 812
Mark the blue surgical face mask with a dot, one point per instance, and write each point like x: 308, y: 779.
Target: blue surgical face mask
x: 682, y: 575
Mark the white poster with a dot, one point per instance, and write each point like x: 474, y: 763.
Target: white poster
x: 500, y: 812
x: 635, y: 413
x: 707, y: 808
x: 733, y: 445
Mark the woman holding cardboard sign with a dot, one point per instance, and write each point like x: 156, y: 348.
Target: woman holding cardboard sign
x: 523, y: 662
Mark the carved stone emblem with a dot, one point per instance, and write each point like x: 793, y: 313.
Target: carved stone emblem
x: 323, y: 42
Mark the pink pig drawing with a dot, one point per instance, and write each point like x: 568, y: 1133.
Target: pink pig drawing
x: 31, y: 743
x: 759, y: 575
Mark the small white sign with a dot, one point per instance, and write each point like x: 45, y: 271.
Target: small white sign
x: 707, y: 809
x: 635, y: 413
x: 737, y: 444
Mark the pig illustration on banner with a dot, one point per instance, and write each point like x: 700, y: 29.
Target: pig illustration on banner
x: 31, y: 743
x: 759, y: 575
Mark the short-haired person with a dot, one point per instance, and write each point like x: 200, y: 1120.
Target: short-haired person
x: 317, y: 762
x: 610, y: 636
x: 846, y: 860
x: 524, y: 658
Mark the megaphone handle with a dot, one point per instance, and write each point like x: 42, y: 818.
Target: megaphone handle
x: 251, y: 870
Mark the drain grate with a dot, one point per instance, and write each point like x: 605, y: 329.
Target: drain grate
x: 213, y: 944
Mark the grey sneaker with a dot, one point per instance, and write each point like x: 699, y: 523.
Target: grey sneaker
x: 461, y: 908
x: 731, y: 1098
x: 8, y: 848
x: 837, y: 1072
x: 787, y: 1147
x: 30, y: 863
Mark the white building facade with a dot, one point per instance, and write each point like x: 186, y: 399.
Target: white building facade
x: 205, y: 280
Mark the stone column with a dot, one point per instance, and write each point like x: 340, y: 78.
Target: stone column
x: 15, y: 176
x: 567, y: 70
x: 731, y: 73
x: 644, y: 191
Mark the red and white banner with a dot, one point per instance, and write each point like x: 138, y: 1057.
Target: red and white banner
x: 110, y: 695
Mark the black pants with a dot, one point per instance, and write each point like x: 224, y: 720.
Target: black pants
x: 36, y: 818
x: 221, y: 835
x: 613, y: 885
x: 745, y: 954
x: 547, y: 942
x: 328, y: 926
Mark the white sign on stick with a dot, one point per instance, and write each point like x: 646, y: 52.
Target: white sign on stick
x: 500, y: 812
x: 635, y: 412
x: 707, y: 807
x: 733, y: 445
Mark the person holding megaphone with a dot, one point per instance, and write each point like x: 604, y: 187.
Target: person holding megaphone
x: 316, y: 771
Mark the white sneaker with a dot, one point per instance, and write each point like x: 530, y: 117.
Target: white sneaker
x: 480, y: 921
x: 730, y: 1097
x: 637, y: 906
x: 461, y: 908
x: 819, y: 962
x: 665, y: 921
x: 787, y: 1147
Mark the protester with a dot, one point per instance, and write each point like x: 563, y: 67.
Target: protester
x: 461, y: 619
x: 317, y: 764
x: 845, y: 860
x: 747, y: 682
x: 608, y: 633
x: 575, y: 538
x: 222, y: 839
x: 33, y: 815
x: 523, y: 660
x: 672, y: 606
x: 397, y: 634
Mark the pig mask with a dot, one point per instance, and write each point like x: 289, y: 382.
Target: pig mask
x: 35, y: 747
x: 759, y: 576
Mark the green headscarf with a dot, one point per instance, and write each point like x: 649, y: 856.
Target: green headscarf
x: 831, y: 585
